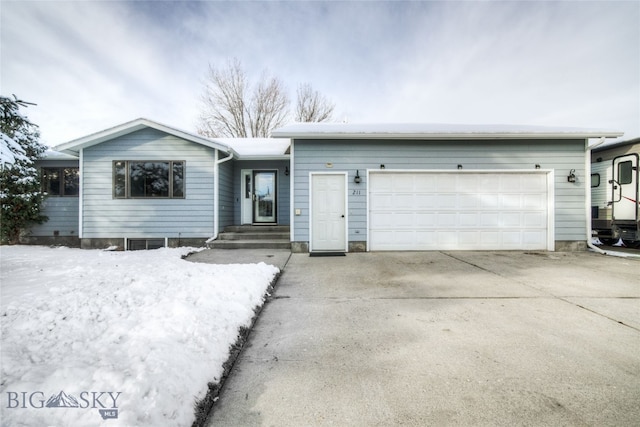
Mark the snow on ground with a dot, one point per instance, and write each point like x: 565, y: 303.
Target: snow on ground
x: 132, y: 335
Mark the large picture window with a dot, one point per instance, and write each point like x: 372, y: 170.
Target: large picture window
x: 146, y: 179
x: 61, y: 181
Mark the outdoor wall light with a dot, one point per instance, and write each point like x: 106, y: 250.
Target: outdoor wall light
x: 459, y: 166
x: 572, y: 176
x: 357, y: 177
x: 381, y: 166
x: 537, y: 166
x: 286, y: 171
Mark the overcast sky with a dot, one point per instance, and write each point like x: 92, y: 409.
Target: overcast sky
x: 90, y: 65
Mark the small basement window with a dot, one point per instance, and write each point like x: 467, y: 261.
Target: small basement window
x: 145, y: 244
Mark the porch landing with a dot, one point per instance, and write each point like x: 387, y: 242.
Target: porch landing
x: 253, y: 237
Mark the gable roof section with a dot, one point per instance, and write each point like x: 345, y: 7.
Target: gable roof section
x: 430, y: 131
x: 73, y: 147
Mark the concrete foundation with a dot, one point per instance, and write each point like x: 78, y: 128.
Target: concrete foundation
x: 570, y: 246
x: 69, y: 241
x: 103, y: 243
x: 300, y: 247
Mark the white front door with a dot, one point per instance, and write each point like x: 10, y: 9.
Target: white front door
x: 328, y: 212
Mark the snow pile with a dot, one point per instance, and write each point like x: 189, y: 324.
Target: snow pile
x: 117, y: 338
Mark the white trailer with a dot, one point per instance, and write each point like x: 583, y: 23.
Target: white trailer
x: 615, y: 210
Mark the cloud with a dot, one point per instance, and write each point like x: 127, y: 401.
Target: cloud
x: 91, y: 65
x: 532, y: 63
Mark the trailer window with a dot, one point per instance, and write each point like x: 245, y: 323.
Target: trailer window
x: 595, y: 180
x: 625, y: 172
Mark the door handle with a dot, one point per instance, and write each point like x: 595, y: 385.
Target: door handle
x: 615, y: 186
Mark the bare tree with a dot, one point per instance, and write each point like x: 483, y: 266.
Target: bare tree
x: 312, y: 106
x: 269, y: 107
x: 229, y: 110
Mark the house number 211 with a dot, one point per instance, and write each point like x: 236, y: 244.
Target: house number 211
x: 356, y: 193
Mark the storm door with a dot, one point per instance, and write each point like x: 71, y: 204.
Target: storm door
x: 264, y: 196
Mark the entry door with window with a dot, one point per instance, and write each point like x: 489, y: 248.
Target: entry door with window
x: 328, y: 212
x: 264, y: 196
x: 625, y: 188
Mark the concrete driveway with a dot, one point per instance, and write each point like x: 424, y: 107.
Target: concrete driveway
x: 434, y: 338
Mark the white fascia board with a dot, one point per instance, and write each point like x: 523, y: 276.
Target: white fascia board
x: 265, y: 157
x: 426, y: 131
x: 73, y: 147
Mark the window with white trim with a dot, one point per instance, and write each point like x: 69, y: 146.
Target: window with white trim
x: 134, y: 179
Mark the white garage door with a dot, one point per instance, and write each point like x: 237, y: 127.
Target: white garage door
x: 458, y: 210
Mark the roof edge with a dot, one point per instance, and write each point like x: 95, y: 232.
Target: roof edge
x: 435, y: 131
x: 73, y: 147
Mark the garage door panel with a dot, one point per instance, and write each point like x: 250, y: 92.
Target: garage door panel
x: 380, y: 200
x: 488, y: 201
x: 469, y: 238
x: 445, y: 183
x: 388, y: 220
x: 468, y: 219
x: 424, y: 201
x: 446, y: 201
x: 534, y: 201
x: 445, y: 219
x: 468, y: 183
x: 535, y: 219
x: 489, y: 219
x: 404, y: 201
x: 510, y: 219
x: 510, y: 201
x: 425, y: 220
x: 466, y: 210
x: 489, y: 239
x: 533, y: 237
x: 532, y: 183
x: 424, y: 183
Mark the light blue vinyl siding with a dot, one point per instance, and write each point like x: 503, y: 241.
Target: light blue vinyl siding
x: 61, y: 210
x: 106, y: 217
x: 284, y: 185
x: 226, y: 205
x: 352, y: 155
x: 63, y: 218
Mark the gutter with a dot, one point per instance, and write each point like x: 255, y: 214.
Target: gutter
x: 216, y: 193
x: 587, y: 168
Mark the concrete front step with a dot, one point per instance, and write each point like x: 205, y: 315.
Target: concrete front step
x: 249, y: 244
x: 257, y: 229
x: 253, y: 236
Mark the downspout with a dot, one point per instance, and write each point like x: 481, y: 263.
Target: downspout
x: 81, y: 195
x: 587, y: 169
x: 216, y: 193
